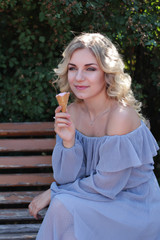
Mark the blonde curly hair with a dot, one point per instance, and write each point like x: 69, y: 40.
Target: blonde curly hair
x: 118, y: 83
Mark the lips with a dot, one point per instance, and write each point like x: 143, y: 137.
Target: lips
x: 79, y: 87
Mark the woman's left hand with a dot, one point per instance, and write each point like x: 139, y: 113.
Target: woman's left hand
x: 39, y: 202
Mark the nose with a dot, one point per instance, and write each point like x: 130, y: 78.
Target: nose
x: 80, y: 75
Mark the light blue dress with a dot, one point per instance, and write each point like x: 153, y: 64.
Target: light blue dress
x: 107, y: 190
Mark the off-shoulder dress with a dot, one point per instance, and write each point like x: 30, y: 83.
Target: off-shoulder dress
x: 106, y: 189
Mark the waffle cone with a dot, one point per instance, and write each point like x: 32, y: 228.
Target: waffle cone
x: 63, y: 100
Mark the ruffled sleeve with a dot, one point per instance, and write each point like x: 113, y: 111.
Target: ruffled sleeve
x: 131, y: 150
x: 67, y: 163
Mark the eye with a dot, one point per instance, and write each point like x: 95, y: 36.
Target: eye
x: 91, y: 69
x: 71, y: 68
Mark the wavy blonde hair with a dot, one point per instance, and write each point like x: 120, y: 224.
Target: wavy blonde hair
x: 118, y: 83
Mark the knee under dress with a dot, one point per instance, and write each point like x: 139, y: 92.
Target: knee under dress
x: 107, y: 189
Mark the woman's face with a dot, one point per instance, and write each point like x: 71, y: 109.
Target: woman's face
x: 85, y: 77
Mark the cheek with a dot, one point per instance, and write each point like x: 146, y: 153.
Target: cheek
x: 70, y: 81
x: 100, y: 80
x: 70, y: 77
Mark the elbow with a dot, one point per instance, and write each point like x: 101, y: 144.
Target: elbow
x: 59, y: 180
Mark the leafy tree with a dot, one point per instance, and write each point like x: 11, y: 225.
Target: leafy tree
x: 34, y: 34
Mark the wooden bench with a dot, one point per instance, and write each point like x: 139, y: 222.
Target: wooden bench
x: 25, y: 171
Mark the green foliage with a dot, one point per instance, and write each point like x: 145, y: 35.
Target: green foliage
x: 34, y: 34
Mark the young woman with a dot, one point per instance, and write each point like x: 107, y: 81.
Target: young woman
x: 103, y: 158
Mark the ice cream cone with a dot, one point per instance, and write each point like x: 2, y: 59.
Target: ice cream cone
x: 62, y: 99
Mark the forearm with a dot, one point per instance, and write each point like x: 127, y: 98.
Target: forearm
x: 48, y: 196
x: 98, y: 186
x: 67, y: 162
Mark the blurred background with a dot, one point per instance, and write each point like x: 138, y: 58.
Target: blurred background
x: 34, y: 33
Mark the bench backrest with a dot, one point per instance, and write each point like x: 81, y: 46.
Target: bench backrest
x: 25, y: 171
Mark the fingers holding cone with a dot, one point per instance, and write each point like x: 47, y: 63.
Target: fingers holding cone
x: 64, y: 126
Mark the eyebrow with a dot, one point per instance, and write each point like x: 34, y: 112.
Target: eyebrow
x: 88, y: 64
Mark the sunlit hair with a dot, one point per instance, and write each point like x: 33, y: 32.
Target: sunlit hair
x: 118, y: 83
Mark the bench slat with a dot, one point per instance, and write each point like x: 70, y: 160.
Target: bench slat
x: 17, y: 197
x: 19, y: 228
x: 18, y: 214
x: 27, y: 129
x: 27, y: 145
x: 25, y: 162
x: 18, y: 236
x: 35, y: 179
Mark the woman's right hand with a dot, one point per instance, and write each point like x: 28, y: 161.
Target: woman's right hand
x: 64, y: 127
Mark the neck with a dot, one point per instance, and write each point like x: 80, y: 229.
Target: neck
x: 97, y: 106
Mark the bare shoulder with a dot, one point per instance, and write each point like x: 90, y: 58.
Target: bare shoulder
x: 122, y: 120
